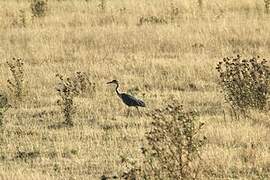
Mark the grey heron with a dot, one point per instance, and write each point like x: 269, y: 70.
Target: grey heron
x: 126, y: 98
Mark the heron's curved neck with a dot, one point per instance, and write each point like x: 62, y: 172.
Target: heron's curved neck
x: 116, y: 89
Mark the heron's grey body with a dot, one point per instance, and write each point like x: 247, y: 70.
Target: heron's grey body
x: 130, y: 100
x: 126, y: 98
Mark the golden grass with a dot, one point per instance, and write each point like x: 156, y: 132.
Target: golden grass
x: 161, y: 60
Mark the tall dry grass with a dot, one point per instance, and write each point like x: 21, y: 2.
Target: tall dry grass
x: 157, y: 62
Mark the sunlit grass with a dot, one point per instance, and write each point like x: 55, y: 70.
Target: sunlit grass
x: 156, y: 62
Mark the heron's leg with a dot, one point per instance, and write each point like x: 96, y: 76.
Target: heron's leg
x: 128, y: 112
x: 138, y: 111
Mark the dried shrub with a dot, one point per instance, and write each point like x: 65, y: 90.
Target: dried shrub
x: 39, y: 8
x: 19, y: 20
x: 26, y: 156
x: 245, y: 82
x: 22, y: 18
x: 3, y: 107
x: 152, y: 20
x: 106, y: 19
x: 173, y: 147
x: 102, y: 5
x: 17, y: 70
x: 68, y: 88
x: 173, y: 12
x: 200, y: 4
x: 267, y: 6
x: 83, y: 84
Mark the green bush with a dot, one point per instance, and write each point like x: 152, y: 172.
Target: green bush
x: 245, y: 82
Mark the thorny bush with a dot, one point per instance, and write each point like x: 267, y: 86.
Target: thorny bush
x: 173, y: 146
x: 17, y: 71
x: 151, y: 20
x: 68, y: 88
x: 3, y: 106
x: 267, y: 6
x: 245, y: 82
x: 39, y: 8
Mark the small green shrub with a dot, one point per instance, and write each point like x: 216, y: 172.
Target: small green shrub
x: 173, y: 147
x: 68, y: 88
x: 245, y: 82
x: 17, y: 70
x: 39, y: 8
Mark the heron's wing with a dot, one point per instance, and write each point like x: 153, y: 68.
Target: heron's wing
x: 132, y: 101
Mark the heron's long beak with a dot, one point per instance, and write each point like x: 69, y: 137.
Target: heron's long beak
x: 109, y: 82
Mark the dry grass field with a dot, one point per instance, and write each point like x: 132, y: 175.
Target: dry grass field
x: 170, y: 56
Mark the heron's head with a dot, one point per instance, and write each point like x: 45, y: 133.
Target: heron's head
x: 113, y: 82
